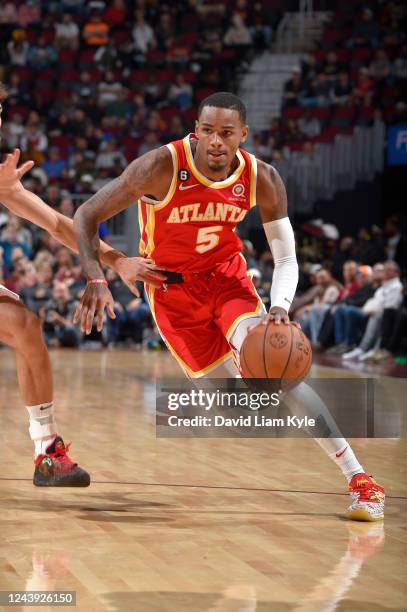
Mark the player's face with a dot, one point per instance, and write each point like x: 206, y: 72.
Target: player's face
x: 220, y: 132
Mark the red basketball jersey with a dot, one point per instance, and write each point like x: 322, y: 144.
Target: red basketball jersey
x: 193, y: 228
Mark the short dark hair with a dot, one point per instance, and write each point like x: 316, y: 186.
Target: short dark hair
x: 3, y: 92
x: 225, y: 99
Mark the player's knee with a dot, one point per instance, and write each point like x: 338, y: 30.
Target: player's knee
x: 28, y: 329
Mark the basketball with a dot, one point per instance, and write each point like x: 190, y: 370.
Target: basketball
x: 280, y: 353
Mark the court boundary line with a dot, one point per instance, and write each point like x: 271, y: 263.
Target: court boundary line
x: 192, y: 486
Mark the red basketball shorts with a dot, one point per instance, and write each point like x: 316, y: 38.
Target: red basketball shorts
x: 196, y: 318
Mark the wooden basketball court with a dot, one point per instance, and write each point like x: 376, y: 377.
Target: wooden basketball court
x: 185, y: 525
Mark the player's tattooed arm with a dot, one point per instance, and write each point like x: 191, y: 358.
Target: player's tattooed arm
x: 271, y: 193
x: 150, y: 174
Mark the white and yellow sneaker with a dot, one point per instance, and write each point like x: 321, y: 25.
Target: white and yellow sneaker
x: 367, y: 499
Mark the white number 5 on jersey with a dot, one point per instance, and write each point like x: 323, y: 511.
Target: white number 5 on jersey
x: 207, y: 238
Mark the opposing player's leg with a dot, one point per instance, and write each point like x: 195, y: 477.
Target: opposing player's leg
x: 21, y: 330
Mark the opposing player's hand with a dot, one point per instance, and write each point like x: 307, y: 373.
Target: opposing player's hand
x: 132, y: 269
x: 10, y: 173
x: 95, y: 300
x: 279, y: 316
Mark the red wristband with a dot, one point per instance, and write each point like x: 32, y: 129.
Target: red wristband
x: 97, y: 281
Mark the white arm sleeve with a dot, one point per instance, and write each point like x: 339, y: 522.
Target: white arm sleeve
x: 280, y: 237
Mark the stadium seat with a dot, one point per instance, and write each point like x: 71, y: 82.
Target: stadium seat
x: 293, y: 112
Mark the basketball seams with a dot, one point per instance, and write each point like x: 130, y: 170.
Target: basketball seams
x: 289, y: 354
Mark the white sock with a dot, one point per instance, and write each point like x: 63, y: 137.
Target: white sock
x: 43, y: 427
x: 340, y: 452
x: 302, y: 401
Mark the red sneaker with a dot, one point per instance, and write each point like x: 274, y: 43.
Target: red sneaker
x: 367, y: 499
x: 56, y: 469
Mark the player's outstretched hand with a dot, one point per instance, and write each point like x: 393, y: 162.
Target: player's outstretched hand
x: 10, y: 173
x: 132, y: 269
x: 95, y: 299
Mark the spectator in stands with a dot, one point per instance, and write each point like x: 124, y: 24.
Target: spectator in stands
x: 109, y: 155
x: 165, y: 32
x: 24, y: 275
x: 293, y: 89
x: 302, y: 303
x: 393, y: 333
x: 106, y: 56
x: 344, y: 253
x: 351, y: 276
x: 143, y: 35
x: 176, y: 129
x: 131, y: 313
x: 67, y: 207
x: 42, y: 55
x: 347, y: 312
x: 260, y: 24
x: 34, y: 141
x: 380, y: 67
x: 10, y: 242
x: 17, y: 49
x: 366, y: 31
x: 54, y: 166
x: 67, y: 33
x: 95, y: 32
x: 151, y: 142
x: 317, y: 94
x: 363, y: 86
x: 8, y: 13
x: 399, y: 68
x: 388, y: 295
x: 35, y: 297
x: 53, y: 196
x: 292, y: 133
x: 332, y: 67
x: 180, y: 93
x: 341, y: 90
x: 237, y: 33
x: 57, y: 315
x: 13, y: 130
x: 116, y: 14
x: 309, y: 125
x: 109, y: 89
x: 65, y: 269
x: 313, y: 314
x: 29, y: 13
x: 24, y: 234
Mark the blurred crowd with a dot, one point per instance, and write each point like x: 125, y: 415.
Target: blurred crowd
x: 352, y: 293
x: 356, y: 76
x: 94, y: 84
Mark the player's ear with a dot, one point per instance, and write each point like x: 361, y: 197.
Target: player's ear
x: 196, y: 126
x: 244, y: 135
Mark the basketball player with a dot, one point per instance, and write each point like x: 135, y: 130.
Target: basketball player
x: 192, y: 193
x: 21, y: 329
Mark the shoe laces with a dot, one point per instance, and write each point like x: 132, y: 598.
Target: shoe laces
x: 367, y: 490
x: 60, y: 454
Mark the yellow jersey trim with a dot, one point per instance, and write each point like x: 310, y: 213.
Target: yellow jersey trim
x: 253, y: 180
x: 191, y: 373
x: 173, y: 185
x: 203, y: 179
x: 142, y: 244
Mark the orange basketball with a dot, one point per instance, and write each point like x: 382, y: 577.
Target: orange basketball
x: 280, y: 353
